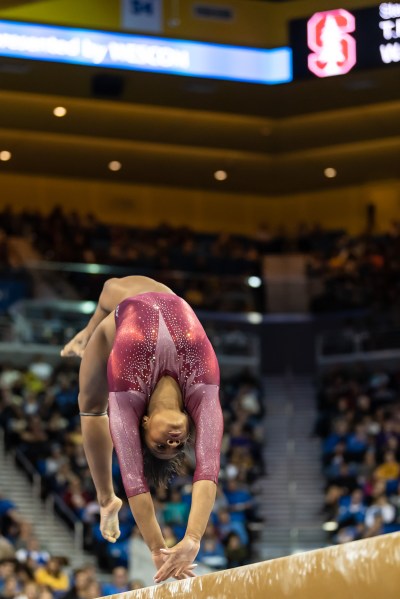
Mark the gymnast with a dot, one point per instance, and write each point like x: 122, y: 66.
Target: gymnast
x: 148, y: 376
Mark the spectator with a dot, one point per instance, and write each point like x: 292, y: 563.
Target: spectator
x: 390, y: 469
x: 381, y: 510
x: 9, y: 588
x: 93, y: 590
x: 119, y: 583
x: 81, y: 581
x: 52, y: 575
x: 211, y: 553
x: 236, y: 553
x: 32, y: 553
x: 239, y: 499
x: 175, y: 511
x: 30, y: 591
x: 226, y: 526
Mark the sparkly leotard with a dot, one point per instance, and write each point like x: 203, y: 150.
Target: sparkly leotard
x: 158, y: 334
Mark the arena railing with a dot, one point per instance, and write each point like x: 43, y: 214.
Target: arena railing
x: 236, y: 286
x: 362, y: 345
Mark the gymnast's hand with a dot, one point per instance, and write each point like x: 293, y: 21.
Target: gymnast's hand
x: 159, y: 560
x: 178, y: 560
x: 77, y: 345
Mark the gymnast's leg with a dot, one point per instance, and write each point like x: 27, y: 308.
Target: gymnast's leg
x: 93, y: 399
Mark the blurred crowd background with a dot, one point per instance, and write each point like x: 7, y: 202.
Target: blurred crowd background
x: 274, y: 211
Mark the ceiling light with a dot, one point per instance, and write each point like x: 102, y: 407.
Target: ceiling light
x: 114, y: 165
x: 330, y: 173
x: 59, y: 111
x: 5, y: 155
x: 220, y: 175
x: 254, y: 317
x: 254, y: 282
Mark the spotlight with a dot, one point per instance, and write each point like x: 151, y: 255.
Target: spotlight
x: 220, y: 175
x: 330, y: 173
x: 114, y: 165
x: 59, y: 111
x: 5, y: 155
x: 254, y: 282
x: 254, y: 317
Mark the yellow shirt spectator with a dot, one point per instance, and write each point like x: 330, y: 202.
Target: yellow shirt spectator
x: 52, y: 576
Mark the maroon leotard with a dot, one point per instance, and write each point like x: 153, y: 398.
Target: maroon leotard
x: 158, y: 334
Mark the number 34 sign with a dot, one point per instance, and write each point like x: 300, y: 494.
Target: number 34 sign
x: 333, y: 48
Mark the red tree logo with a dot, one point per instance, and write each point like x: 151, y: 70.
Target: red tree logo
x: 334, y: 50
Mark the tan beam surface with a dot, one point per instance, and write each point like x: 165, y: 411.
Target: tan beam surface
x: 368, y: 569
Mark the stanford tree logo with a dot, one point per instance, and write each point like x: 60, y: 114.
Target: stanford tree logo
x: 334, y: 50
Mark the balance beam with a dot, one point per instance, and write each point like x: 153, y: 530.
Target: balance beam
x: 368, y: 569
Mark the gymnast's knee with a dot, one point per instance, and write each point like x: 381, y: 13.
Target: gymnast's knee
x: 90, y: 404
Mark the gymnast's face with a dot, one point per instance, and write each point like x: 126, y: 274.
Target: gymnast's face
x: 166, y: 432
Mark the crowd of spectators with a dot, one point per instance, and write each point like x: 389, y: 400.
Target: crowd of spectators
x: 359, y: 423
x: 193, y: 264
x: 357, y: 273
x: 39, y: 415
x: 211, y: 271
x: 28, y: 571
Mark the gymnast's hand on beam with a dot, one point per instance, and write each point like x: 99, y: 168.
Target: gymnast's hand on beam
x: 159, y: 561
x: 77, y: 345
x: 178, y: 560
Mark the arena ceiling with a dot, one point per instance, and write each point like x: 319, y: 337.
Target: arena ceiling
x: 177, y: 131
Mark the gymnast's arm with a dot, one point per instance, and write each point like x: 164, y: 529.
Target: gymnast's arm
x: 113, y: 293
x: 205, y: 410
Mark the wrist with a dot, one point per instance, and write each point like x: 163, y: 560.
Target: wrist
x: 155, y: 549
x: 193, y: 536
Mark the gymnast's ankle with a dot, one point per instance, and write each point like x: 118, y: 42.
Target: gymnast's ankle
x: 105, y: 500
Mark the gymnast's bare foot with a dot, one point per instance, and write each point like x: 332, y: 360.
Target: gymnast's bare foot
x: 109, y: 525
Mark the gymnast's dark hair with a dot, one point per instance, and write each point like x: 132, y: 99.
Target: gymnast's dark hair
x: 158, y: 472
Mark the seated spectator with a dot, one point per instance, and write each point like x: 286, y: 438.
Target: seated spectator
x: 29, y: 591
x: 32, y: 553
x: 175, y: 510
x: 239, y: 499
x: 9, y: 588
x: 390, y: 469
x: 80, y: 583
x: 51, y: 575
x: 381, y: 510
x: 236, y: 553
x: 212, y: 554
x: 357, y: 442
x: 75, y: 497
x: 93, y: 590
x: 35, y: 437
x: 119, y: 583
x: 352, y: 509
x: 41, y: 369
x: 8, y: 569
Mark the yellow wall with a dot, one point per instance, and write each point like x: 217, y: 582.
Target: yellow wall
x: 205, y: 211
x: 255, y: 23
